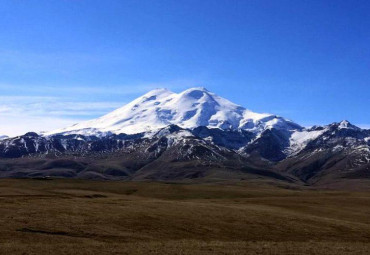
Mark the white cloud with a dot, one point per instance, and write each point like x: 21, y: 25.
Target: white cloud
x: 18, y: 125
x: 364, y: 126
x: 21, y: 114
x: 52, y: 106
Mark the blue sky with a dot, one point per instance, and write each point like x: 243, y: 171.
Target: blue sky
x: 65, y: 61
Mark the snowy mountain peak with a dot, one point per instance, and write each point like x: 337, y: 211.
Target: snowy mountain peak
x: 3, y: 137
x: 201, y: 89
x: 345, y: 124
x: 191, y: 108
x: 158, y: 92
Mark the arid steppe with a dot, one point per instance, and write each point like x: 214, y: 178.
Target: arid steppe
x: 109, y: 217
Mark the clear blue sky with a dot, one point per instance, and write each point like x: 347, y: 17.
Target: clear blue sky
x: 63, y: 61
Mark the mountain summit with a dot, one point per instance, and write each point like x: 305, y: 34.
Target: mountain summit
x: 191, y: 108
x: 164, y: 135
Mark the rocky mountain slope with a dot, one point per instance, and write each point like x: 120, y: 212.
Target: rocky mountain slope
x: 194, y: 134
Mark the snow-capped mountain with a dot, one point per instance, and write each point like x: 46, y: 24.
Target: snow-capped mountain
x: 227, y: 124
x: 3, y: 137
x: 192, y: 134
x: 189, y: 109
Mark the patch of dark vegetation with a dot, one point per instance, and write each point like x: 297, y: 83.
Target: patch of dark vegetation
x: 95, y: 196
x: 131, y: 191
x: 115, y: 171
x: 30, y: 230
x: 289, y: 187
x: 266, y: 173
x: 43, y: 178
x: 63, y: 233
x: 64, y: 163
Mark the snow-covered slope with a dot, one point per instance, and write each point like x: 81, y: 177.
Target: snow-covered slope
x: 326, y: 134
x: 3, y: 137
x: 189, y: 109
x: 299, y: 139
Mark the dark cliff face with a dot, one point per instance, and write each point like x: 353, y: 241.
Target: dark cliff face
x: 270, y: 145
x: 231, y: 139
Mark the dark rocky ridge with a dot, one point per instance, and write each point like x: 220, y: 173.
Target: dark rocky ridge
x: 174, y: 153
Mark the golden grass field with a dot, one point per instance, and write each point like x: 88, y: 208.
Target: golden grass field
x: 96, y: 217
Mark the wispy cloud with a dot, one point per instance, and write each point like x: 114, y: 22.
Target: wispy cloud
x: 20, y: 114
x: 54, y: 107
x: 364, y: 126
x: 17, y: 125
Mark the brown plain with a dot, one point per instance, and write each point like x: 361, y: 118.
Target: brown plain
x: 96, y: 217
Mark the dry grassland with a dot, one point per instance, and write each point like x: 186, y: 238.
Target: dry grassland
x: 90, y: 217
